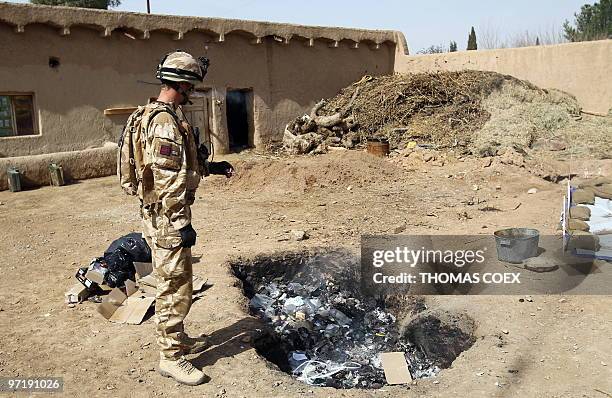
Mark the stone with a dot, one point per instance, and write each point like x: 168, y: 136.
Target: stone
x: 399, y: 229
x: 298, y: 235
x: 512, y: 157
x: 531, y: 191
x: 427, y: 157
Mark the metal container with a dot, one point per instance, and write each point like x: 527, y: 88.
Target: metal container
x: 14, y: 179
x: 56, y: 175
x: 514, y: 245
x: 378, y: 147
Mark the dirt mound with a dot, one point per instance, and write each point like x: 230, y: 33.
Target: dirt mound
x: 472, y: 112
x: 343, y: 169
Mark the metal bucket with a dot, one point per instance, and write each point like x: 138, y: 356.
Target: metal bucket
x: 514, y: 245
x: 378, y: 147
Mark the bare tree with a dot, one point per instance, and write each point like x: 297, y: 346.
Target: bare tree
x: 521, y: 39
x: 546, y: 36
x: 489, y: 37
x: 551, y: 34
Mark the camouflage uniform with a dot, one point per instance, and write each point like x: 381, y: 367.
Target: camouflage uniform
x: 169, y: 182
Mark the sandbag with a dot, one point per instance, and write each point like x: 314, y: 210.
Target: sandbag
x: 603, y: 191
x: 577, y: 225
x: 583, y: 196
x: 583, y: 240
x: 580, y: 213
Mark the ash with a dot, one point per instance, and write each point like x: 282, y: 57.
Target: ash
x: 327, y: 332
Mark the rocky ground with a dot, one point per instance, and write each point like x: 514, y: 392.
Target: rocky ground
x: 540, y: 346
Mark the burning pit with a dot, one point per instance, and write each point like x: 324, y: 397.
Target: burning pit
x: 320, y: 328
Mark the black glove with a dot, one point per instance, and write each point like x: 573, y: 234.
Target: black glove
x: 222, y: 168
x: 203, y: 160
x: 188, y: 235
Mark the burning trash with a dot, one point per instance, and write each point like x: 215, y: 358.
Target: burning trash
x: 320, y: 328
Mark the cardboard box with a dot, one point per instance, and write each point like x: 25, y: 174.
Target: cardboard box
x: 130, y: 287
x: 131, y: 308
x: 119, y: 308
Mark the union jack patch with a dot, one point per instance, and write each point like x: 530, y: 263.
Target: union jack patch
x: 165, y: 150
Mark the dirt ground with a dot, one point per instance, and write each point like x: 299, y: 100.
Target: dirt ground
x: 555, y: 346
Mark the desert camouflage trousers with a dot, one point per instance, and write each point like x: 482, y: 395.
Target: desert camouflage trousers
x: 173, y: 270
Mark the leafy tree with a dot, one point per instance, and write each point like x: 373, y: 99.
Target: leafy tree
x: 453, y: 46
x: 593, y: 22
x: 101, y: 4
x: 472, y: 45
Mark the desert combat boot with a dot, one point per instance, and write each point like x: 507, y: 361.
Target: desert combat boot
x: 182, y: 371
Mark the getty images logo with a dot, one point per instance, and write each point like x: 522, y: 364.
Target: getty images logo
x: 411, y: 257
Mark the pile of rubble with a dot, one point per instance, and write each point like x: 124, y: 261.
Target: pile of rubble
x: 386, y: 106
x: 470, y: 112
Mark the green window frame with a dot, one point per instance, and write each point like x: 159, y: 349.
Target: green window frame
x: 17, y: 116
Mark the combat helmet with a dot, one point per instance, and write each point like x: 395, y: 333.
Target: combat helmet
x: 179, y: 66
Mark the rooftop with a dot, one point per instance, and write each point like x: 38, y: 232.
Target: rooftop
x: 141, y: 25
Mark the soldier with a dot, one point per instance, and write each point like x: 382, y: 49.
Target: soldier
x: 172, y: 172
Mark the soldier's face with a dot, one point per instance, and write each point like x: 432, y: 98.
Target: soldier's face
x: 186, y: 90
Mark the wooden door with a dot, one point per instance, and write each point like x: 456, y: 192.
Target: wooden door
x: 198, y: 115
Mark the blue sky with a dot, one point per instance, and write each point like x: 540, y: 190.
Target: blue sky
x: 424, y: 23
